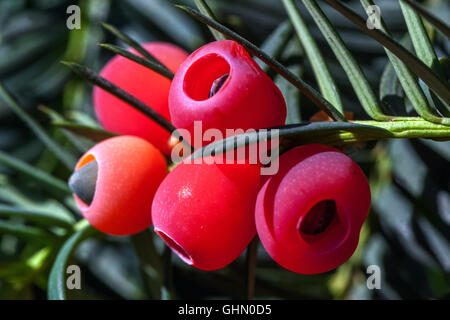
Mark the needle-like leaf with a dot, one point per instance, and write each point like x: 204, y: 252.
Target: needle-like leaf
x: 92, y: 133
x: 152, y: 65
x: 81, y: 145
x: 354, y: 72
x: 327, y: 86
x: 414, y: 64
x: 57, y: 281
x: 133, y: 44
x: 206, y: 10
x: 438, y: 23
x: 150, y: 261
x: 97, y: 80
x: 275, y: 43
x: 392, y: 100
x: 409, y: 82
x: 424, y: 49
x: 291, y: 95
x: 62, y: 154
x: 26, y: 232
x: 304, y: 129
x: 41, y: 217
x: 332, y: 133
x: 34, y: 173
x: 421, y: 42
x: 163, y: 15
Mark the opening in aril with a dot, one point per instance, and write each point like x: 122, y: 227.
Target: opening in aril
x: 206, y: 76
x: 319, y: 218
x: 218, y: 84
x: 175, y: 247
x: 83, y: 181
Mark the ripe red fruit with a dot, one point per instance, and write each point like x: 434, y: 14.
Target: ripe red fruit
x: 146, y: 85
x: 222, y: 86
x: 129, y: 172
x: 205, y: 212
x: 309, y: 215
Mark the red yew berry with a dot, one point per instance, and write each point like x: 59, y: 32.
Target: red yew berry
x: 309, y: 215
x: 114, y: 184
x: 146, y: 85
x: 205, y: 212
x: 223, y: 87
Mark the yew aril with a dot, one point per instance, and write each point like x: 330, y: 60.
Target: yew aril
x: 205, y: 212
x: 224, y: 88
x: 129, y: 171
x: 309, y: 215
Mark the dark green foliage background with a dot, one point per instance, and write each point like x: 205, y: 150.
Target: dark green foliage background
x: 406, y: 234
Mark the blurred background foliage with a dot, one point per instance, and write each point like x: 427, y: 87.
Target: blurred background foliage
x: 406, y: 234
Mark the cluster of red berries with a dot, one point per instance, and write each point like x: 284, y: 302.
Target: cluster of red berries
x: 308, y: 215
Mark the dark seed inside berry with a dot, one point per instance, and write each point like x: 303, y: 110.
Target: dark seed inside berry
x: 217, y: 84
x: 318, y: 218
x: 83, y: 182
